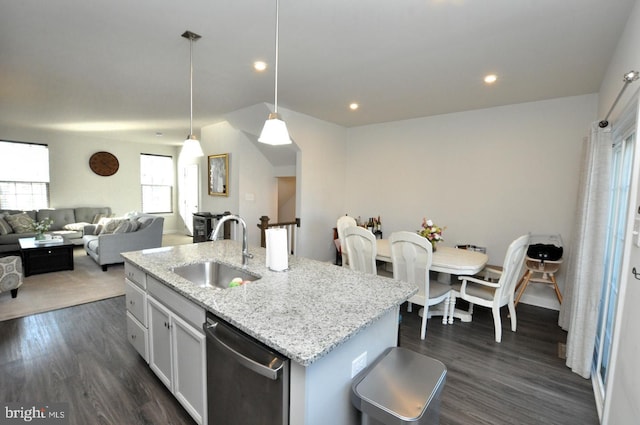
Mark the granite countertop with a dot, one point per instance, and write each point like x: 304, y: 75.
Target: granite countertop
x: 303, y: 313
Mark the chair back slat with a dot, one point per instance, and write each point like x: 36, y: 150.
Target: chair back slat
x: 512, y: 268
x: 361, y: 249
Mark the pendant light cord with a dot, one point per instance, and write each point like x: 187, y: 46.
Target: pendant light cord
x: 191, y: 86
x: 276, y: 70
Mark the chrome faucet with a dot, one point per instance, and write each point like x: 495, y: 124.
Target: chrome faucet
x: 245, y: 246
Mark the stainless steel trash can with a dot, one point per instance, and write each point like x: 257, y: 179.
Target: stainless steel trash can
x: 400, y: 387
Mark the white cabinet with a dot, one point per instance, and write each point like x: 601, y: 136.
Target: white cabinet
x: 160, y: 341
x: 190, y: 368
x: 177, y: 350
x: 166, y: 329
x: 136, y: 300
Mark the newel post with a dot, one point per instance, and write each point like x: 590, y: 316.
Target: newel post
x: 264, y: 223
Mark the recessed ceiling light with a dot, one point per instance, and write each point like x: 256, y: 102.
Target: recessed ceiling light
x: 259, y: 65
x: 353, y: 106
x: 159, y: 134
x: 490, y: 79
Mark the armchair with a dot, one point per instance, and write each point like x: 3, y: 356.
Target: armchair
x: 495, y: 294
x: 361, y: 249
x: 342, y: 223
x: 10, y: 274
x: 411, y: 256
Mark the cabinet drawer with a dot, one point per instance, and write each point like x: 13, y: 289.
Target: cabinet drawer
x: 135, y: 275
x: 188, y: 310
x: 137, y: 336
x: 136, y: 301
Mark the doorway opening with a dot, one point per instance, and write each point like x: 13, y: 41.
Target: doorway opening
x: 286, y: 199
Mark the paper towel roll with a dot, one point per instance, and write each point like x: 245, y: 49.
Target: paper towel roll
x: 277, y: 256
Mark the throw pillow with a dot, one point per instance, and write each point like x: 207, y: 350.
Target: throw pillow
x: 20, y: 223
x: 127, y: 226
x: 75, y: 226
x: 132, y: 214
x: 98, y: 217
x: 111, y: 225
x: 5, y: 228
x: 100, y: 224
x: 144, y: 222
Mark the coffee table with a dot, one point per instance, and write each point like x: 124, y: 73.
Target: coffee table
x: 45, y: 257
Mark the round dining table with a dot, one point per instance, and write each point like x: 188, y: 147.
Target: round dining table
x: 446, y: 261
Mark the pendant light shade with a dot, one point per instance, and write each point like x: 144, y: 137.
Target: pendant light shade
x: 191, y: 146
x: 275, y: 131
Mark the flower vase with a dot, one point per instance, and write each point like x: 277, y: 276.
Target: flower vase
x: 433, y: 245
x: 40, y: 236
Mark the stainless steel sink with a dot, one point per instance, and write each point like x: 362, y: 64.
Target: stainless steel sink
x: 213, y: 274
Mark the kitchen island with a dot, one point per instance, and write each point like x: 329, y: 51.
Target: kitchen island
x: 320, y: 316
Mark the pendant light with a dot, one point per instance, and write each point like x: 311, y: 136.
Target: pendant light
x: 275, y: 131
x: 191, y: 147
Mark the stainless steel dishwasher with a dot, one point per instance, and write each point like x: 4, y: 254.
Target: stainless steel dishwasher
x: 247, y: 382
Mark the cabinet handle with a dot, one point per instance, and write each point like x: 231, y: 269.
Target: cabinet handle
x: 268, y: 371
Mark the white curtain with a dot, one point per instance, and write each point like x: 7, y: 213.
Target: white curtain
x: 585, y: 266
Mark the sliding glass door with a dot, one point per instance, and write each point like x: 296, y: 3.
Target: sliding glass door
x: 623, y: 150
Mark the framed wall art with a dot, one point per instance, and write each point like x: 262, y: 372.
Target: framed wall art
x: 219, y: 175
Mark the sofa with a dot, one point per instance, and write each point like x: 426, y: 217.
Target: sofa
x: 67, y: 222
x: 106, y: 240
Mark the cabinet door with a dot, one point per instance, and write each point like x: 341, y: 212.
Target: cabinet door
x: 190, y: 368
x: 138, y: 336
x: 160, y: 341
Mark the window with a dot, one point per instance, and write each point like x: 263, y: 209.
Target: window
x: 156, y: 177
x: 24, y: 176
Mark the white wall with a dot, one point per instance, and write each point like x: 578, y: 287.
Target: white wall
x: 321, y: 166
x: 319, y: 170
x: 252, y: 184
x: 488, y: 175
x: 625, y: 58
x: 73, y: 184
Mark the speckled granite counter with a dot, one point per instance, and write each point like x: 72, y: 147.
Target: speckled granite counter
x: 303, y: 313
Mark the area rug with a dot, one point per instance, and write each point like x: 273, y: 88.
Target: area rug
x: 52, y: 291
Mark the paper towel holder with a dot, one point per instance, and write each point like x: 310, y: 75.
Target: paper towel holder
x: 277, y: 255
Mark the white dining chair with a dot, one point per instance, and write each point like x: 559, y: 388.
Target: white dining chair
x: 361, y: 249
x: 342, y: 223
x: 495, y: 294
x: 411, y: 256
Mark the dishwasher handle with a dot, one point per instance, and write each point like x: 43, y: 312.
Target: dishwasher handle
x: 266, y: 371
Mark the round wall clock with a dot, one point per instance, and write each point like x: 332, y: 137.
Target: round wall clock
x: 104, y: 163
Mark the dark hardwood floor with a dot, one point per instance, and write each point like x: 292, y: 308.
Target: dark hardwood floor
x: 80, y: 355
x: 519, y: 381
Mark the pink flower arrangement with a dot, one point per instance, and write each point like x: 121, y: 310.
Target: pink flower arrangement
x: 432, y: 232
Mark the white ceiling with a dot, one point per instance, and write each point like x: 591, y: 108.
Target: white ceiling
x: 119, y: 69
